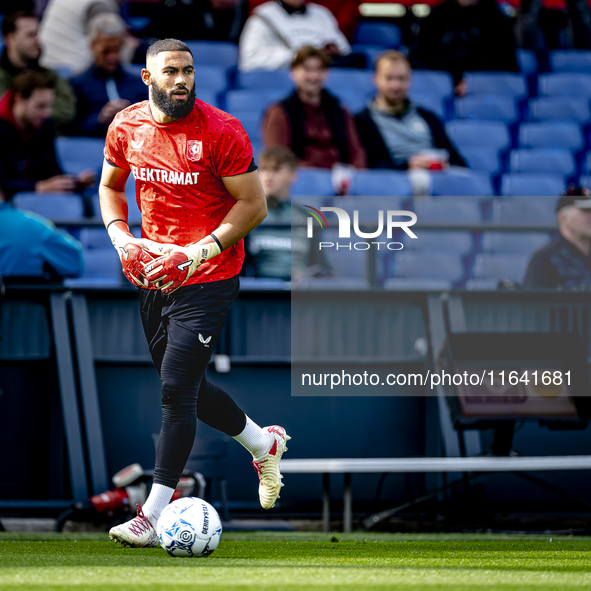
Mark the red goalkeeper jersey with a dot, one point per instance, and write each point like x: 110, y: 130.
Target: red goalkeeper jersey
x: 178, y: 169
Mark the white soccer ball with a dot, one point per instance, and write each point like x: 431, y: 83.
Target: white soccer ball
x: 189, y: 527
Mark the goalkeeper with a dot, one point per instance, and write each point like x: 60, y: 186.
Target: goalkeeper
x: 199, y: 195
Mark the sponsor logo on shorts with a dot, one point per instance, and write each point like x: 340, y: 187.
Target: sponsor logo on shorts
x: 203, y: 340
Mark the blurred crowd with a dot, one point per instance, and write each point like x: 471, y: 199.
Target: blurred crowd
x: 67, y: 68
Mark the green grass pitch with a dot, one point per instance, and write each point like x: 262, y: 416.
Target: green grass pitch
x: 299, y: 561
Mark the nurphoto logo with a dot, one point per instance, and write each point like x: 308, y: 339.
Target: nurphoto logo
x: 394, y: 219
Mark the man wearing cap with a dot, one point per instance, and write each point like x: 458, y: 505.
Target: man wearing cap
x: 566, y: 262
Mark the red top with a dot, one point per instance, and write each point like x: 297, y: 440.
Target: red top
x: 178, y: 167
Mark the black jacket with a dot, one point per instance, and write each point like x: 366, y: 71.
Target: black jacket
x: 458, y: 40
x: 558, y: 263
x: 378, y: 155
x: 24, y: 161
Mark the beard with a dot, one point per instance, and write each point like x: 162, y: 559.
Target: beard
x: 164, y: 101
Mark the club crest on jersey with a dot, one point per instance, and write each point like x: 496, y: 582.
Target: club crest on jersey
x: 194, y: 150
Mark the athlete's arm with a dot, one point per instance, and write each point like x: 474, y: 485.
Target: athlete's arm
x: 112, y: 193
x: 114, y: 212
x: 250, y: 209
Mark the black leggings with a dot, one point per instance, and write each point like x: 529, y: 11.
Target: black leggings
x: 182, y: 330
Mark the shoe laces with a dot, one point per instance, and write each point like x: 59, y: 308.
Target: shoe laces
x: 140, y: 523
x: 259, y: 468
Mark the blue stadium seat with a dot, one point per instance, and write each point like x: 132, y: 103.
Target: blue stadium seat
x: 252, y: 100
x: 497, y: 83
x: 371, y: 52
x: 53, y: 206
x: 527, y: 183
x: 212, y: 78
x: 381, y: 183
x: 215, y: 53
x: 368, y: 208
x: 95, y: 239
x: 424, y: 271
x: 559, y: 108
x: 527, y: 61
x: 571, y: 61
x: 209, y: 97
x: 432, y: 82
x: 525, y: 210
x: 465, y: 182
x: 448, y: 209
x: 454, y: 243
x: 497, y: 267
x: 79, y: 153
x: 482, y: 159
x: 313, y: 181
x: 251, y: 121
x: 431, y: 102
x: 545, y: 160
x: 565, y: 84
x: 349, y: 78
x: 551, y: 134
x: 265, y: 80
x: 491, y: 134
x: 344, y: 262
x: 316, y: 201
x: 101, y: 268
x: 513, y: 243
x: 487, y: 107
x: 377, y: 33
x: 353, y: 100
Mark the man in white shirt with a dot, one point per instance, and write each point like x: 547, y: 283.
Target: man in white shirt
x: 276, y: 30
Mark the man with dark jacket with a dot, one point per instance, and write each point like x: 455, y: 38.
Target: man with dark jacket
x: 311, y: 121
x: 566, y: 262
x: 28, y: 160
x: 105, y: 88
x: 465, y: 35
x: 21, y: 52
x: 395, y: 131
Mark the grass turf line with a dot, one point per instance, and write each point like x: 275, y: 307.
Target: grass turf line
x: 290, y: 562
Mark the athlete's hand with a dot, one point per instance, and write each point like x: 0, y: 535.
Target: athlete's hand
x: 133, y: 253
x: 172, y: 270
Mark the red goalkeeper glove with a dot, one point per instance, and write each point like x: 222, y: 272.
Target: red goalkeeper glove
x: 174, y: 268
x: 133, y: 253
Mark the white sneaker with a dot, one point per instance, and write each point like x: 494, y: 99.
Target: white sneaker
x: 137, y: 533
x: 268, y: 468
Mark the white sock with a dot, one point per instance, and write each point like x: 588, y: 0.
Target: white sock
x: 257, y: 441
x: 158, y: 498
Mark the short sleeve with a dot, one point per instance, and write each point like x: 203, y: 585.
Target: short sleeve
x: 233, y: 153
x: 113, y: 151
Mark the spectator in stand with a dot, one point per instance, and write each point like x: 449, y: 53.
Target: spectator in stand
x: 207, y: 20
x: 311, y: 121
x: 345, y: 11
x: 64, y: 33
x: 31, y: 247
x: 22, y: 50
x: 277, y: 30
x: 105, y: 88
x: 28, y: 160
x: 396, y: 132
x: 566, y: 262
x: 463, y: 35
x: 282, y: 253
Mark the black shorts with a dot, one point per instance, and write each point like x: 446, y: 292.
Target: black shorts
x: 193, y: 314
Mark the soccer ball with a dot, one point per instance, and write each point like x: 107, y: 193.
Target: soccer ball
x: 189, y: 527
